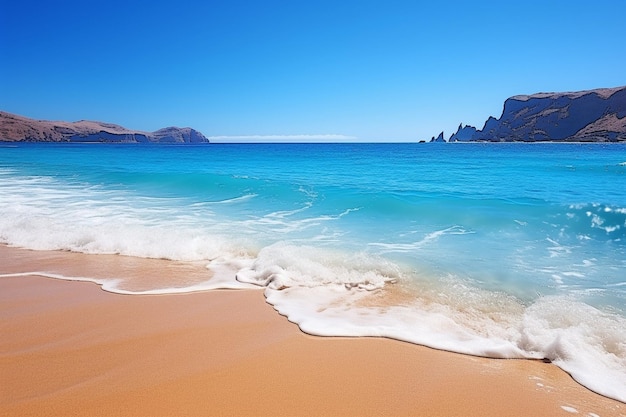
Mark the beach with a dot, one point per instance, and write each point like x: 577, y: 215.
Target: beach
x: 70, y: 348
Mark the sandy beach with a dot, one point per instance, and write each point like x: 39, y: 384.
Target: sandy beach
x: 70, y: 348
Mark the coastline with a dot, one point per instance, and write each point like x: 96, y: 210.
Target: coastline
x: 69, y: 348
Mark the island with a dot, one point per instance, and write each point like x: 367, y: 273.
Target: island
x: 584, y: 116
x: 14, y: 128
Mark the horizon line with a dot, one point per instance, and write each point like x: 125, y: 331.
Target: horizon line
x: 298, y: 138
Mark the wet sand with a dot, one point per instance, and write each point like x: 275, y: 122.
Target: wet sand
x: 70, y: 348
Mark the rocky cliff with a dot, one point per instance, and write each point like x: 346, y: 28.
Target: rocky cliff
x: 14, y: 128
x: 584, y: 116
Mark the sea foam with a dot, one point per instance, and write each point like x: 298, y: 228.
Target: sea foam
x: 582, y: 340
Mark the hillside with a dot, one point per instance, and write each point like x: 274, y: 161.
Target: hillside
x: 585, y: 116
x: 14, y: 128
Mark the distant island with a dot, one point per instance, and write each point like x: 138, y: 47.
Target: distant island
x: 14, y: 128
x: 585, y: 116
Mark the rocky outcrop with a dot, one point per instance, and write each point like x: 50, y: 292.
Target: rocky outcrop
x: 439, y: 138
x: 179, y: 135
x: 14, y: 128
x: 463, y: 133
x: 585, y: 116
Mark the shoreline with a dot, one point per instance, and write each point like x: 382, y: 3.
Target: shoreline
x: 69, y: 348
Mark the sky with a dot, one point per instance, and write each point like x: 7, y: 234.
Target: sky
x: 296, y: 70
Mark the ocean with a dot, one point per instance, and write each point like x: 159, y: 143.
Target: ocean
x: 498, y: 250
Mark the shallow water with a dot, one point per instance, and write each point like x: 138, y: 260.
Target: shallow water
x: 500, y: 250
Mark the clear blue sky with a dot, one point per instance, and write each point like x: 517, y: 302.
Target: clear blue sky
x: 374, y: 70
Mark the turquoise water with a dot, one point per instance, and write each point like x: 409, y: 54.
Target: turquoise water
x: 499, y: 250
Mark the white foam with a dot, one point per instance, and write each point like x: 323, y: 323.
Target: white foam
x: 233, y: 200
x: 287, y: 222
x: 413, y: 246
x: 327, y: 295
x: 223, y: 278
x: 285, y: 265
x: 586, y: 342
x: 41, y: 214
x: 342, y: 314
x: 110, y: 235
x: 569, y: 409
x: 573, y: 274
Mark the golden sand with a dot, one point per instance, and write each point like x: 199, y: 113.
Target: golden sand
x: 69, y: 348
